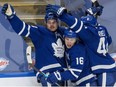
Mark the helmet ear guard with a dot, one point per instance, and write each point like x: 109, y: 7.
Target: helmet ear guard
x: 49, y: 16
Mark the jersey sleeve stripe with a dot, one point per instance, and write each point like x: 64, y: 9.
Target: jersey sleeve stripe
x: 104, y: 79
x: 85, y: 79
x: 80, y: 28
x: 22, y: 29
x: 76, y: 21
x: 104, y: 66
x: 77, y: 70
x: 28, y: 33
x: 75, y: 75
x: 37, y: 74
x: 49, y: 67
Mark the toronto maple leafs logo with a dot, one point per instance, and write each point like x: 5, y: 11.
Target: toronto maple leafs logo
x: 58, y: 48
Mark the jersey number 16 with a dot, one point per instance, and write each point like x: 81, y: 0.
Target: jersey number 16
x: 80, y: 60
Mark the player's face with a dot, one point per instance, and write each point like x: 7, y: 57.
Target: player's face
x: 69, y: 42
x: 52, y: 25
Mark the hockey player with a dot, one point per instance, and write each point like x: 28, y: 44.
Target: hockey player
x: 48, y: 43
x: 79, y: 71
x: 96, y: 40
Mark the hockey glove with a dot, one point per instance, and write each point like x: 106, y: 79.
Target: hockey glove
x: 8, y: 11
x: 58, y: 10
x: 54, y: 77
x: 96, y: 11
x: 42, y: 79
x: 100, y: 10
x: 92, y: 11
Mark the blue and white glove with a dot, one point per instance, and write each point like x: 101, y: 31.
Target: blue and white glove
x: 42, y: 79
x: 100, y: 10
x: 53, y: 78
x: 8, y: 11
x: 96, y: 11
x: 58, y: 10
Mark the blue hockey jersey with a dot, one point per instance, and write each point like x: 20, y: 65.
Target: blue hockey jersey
x: 49, y: 47
x: 79, y: 70
x: 96, y: 40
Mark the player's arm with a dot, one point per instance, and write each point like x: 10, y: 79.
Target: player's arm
x: 96, y: 9
x: 20, y: 27
x: 72, y: 73
x: 62, y: 14
x: 74, y: 24
x: 109, y: 39
x: 24, y: 29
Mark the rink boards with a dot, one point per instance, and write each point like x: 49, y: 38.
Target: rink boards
x: 22, y: 79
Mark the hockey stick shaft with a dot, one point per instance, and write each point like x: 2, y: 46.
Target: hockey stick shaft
x: 29, y: 59
x: 37, y: 70
x: 41, y: 72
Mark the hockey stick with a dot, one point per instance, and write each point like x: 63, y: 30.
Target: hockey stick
x: 29, y: 60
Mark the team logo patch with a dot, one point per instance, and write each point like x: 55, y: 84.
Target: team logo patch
x: 58, y: 48
x: 3, y: 63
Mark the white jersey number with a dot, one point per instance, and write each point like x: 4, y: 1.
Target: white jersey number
x: 102, y: 47
x: 80, y: 60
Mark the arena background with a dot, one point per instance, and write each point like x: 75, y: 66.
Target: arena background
x: 13, y: 47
